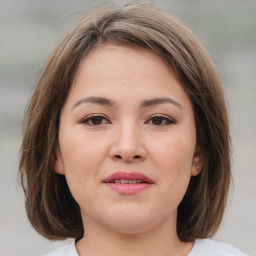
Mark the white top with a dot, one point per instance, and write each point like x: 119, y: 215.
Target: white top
x: 201, y: 248
x: 212, y: 248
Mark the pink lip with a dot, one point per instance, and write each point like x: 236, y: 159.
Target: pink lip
x: 131, y: 188
x: 127, y: 176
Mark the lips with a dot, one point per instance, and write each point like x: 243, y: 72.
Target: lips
x: 128, y: 178
x: 128, y: 183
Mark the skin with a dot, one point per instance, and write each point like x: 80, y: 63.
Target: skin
x: 127, y: 136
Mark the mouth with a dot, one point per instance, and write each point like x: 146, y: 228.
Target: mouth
x: 128, y: 178
x: 122, y: 181
x: 128, y: 182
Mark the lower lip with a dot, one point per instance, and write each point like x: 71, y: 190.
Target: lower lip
x: 128, y: 189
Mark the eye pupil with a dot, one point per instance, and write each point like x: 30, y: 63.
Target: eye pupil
x: 157, y: 120
x: 96, y: 120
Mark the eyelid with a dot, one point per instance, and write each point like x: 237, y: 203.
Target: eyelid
x: 166, y: 117
x: 163, y: 116
x: 88, y: 117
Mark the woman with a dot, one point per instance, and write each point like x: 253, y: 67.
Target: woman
x: 126, y: 143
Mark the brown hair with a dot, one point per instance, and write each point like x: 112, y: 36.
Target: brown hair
x: 50, y: 206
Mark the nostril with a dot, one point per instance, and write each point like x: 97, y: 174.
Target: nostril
x: 120, y: 157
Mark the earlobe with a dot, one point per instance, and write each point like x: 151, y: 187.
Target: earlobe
x: 58, y: 166
x: 197, y: 162
x: 196, y: 169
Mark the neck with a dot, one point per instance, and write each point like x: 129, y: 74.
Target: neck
x: 162, y: 241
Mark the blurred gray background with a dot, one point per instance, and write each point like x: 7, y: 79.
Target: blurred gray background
x: 29, y: 31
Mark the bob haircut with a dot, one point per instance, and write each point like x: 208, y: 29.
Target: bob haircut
x: 50, y: 206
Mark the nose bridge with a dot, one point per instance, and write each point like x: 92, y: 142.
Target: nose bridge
x: 128, y: 136
x: 128, y: 144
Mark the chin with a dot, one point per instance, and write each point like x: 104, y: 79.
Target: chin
x: 132, y: 228
x: 132, y: 223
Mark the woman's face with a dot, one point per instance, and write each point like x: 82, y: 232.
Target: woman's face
x: 127, y: 140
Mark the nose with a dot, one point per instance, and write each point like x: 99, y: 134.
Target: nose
x: 128, y: 145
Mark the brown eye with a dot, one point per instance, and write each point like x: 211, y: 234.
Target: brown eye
x: 160, y: 121
x: 95, y: 120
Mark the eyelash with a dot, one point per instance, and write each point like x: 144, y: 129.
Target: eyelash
x: 167, y: 120
x: 90, y: 119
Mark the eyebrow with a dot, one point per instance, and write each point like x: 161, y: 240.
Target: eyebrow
x: 156, y: 101
x: 146, y: 103
x: 97, y: 100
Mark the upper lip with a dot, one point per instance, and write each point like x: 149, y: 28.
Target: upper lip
x: 127, y: 176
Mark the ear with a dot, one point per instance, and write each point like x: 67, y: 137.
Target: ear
x: 197, y: 161
x: 58, y: 166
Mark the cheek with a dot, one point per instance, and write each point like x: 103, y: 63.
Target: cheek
x: 80, y: 150
x: 174, y: 162
x: 80, y: 167
x: 175, y: 153
x: 83, y: 156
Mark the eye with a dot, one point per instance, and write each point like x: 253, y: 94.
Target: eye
x: 160, y: 121
x: 95, y: 120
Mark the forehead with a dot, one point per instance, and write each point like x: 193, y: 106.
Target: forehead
x: 111, y: 63
x: 118, y: 71
x: 102, y: 54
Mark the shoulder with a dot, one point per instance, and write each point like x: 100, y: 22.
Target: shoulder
x: 213, y: 248
x: 66, y: 250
